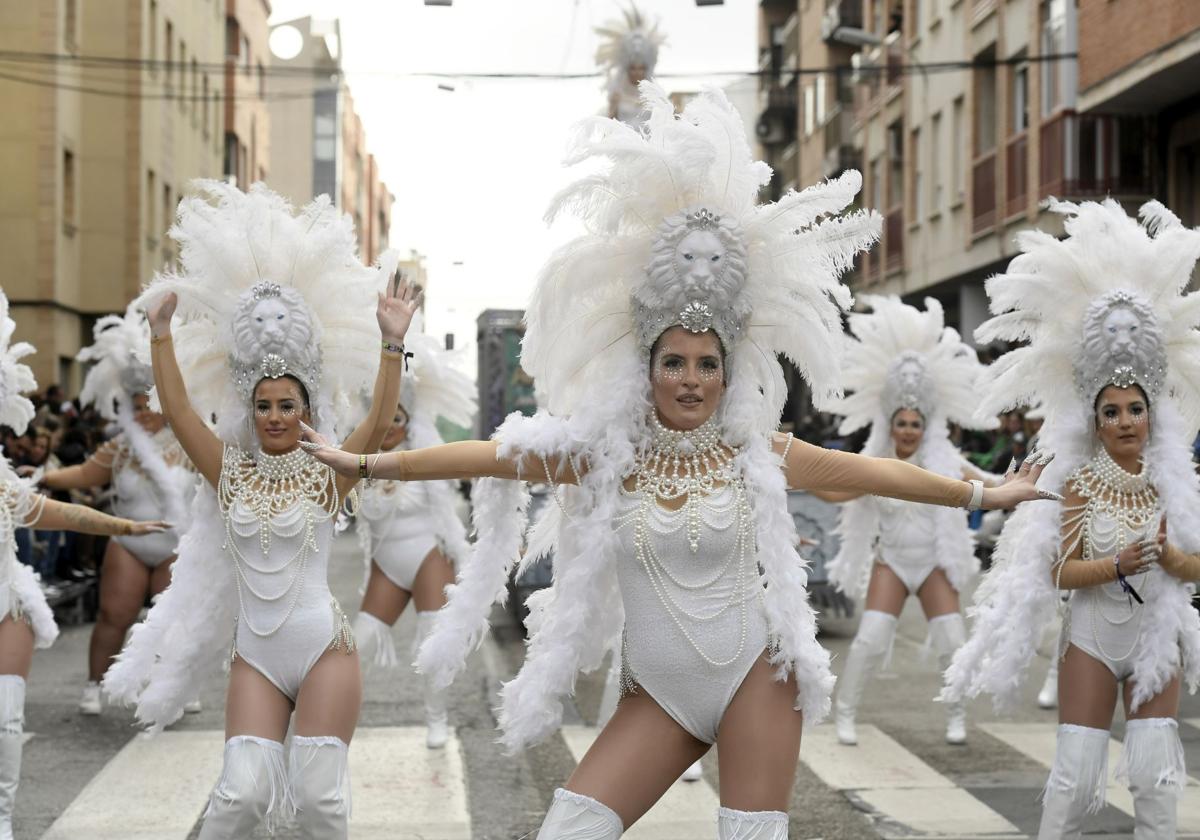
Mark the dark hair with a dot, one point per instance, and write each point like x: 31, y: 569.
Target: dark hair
x: 1141, y: 390
x: 288, y: 376
x: 917, y: 411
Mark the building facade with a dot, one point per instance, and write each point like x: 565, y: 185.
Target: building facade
x: 320, y: 146
x: 95, y: 155
x: 246, y: 143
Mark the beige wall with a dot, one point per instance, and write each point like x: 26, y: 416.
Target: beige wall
x: 247, y: 117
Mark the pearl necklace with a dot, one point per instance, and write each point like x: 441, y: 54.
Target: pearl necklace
x: 685, y: 464
x: 267, y: 485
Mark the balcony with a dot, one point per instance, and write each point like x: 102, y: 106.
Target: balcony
x: 1092, y: 155
x: 777, y: 123
x: 983, y: 192
x: 1017, y: 174
x: 840, y: 153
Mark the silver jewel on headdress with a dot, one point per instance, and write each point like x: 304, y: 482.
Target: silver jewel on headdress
x: 703, y: 219
x: 696, y: 317
x: 265, y: 289
x: 1122, y: 345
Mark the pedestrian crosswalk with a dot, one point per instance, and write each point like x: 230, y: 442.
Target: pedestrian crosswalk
x: 158, y: 788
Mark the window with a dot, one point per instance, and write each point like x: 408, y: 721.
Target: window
x: 895, y: 152
x: 151, y: 198
x: 985, y: 102
x: 230, y: 167
x: 170, y: 57
x: 262, y: 80
x: 71, y: 25
x: 935, y: 160
x: 958, y: 142
x: 877, y: 184
x: 68, y: 191
x: 819, y: 95
x: 246, y: 66
x: 1020, y: 98
x: 183, y: 78
x: 809, y: 110
x: 153, y: 30
x: 195, y: 90
x: 1057, y: 39
x: 918, y: 187
x: 168, y: 209
x: 204, y: 104
x: 232, y: 39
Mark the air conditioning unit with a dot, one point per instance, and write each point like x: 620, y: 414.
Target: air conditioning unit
x: 770, y: 130
x: 833, y: 30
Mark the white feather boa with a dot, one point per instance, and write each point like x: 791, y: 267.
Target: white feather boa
x: 952, y: 545
x: 174, y: 484
x: 575, y: 622
x: 1017, y: 597
x: 25, y: 596
x: 186, y: 638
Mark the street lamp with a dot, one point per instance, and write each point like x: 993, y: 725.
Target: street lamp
x: 710, y: 2
x: 438, y: 2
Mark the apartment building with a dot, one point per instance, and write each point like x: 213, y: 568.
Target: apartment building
x: 95, y: 154
x: 246, y: 149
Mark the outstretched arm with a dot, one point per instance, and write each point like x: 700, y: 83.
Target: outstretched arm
x: 465, y: 459
x: 61, y: 516
x: 809, y: 467
x: 96, y: 471
x: 202, y: 446
x: 394, y: 313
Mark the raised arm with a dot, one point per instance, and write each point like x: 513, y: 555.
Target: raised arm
x: 394, y: 313
x: 809, y: 467
x: 61, y: 516
x: 96, y: 471
x: 454, y: 461
x: 202, y: 446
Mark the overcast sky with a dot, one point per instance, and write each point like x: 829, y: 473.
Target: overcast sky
x: 473, y: 169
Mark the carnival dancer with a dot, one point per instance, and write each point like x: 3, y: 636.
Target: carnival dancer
x: 910, y: 377
x: 628, y: 53
x: 411, y: 535
x: 655, y: 338
x: 151, y: 479
x: 26, y: 620
x: 275, y: 328
x: 1113, y: 355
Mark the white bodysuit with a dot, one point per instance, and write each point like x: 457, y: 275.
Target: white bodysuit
x: 907, y: 540
x: 694, y: 621
x: 138, y: 496
x: 287, y: 616
x: 21, y: 598
x: 399, y: 528
x: 1103, y: 621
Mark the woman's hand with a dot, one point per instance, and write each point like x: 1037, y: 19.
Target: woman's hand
x: 1020, y: 486
x: 396, y: 309
x: 140, y: 529
x: 1137, y: 558
x: 160, y: 312
x: 343, y: 462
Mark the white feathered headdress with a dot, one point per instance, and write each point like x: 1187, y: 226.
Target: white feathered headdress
x: 630, y: 39
x: 775, y: 291
x: 1106, y: 305
x: 265, y: 291
x: 16, y: 378
x: 119, y: 370
x: 433, y: 387
x: 901, y: 357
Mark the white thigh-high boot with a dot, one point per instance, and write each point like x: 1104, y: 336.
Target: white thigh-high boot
x: 1077, y: 781
x: 437, y: 728
x: 374, y: 641
x: 871, y: 643
x: 751, y: 825
x: 320, y: 779
x: 573, y: 816
x: 12, y: 729
x: 253, y: 788
x: 1048, y: 696
x: 947, y: 633
x: 1152, y: 765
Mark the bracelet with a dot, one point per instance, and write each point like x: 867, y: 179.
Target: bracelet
x: 1126, y: 587
x: 158, y: 339
x: 976, y: 500
x: 389, y: 347
x: 362, y: 466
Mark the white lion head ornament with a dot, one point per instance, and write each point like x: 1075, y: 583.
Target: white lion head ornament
x: 273, y: 335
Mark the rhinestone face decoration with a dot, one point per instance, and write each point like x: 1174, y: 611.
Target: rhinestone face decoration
x: 696, y: 317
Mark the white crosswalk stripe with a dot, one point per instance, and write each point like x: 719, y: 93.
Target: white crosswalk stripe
x: 688, y: 811
x: 1037, y: 740
x: 899, y: 788
x: 158, y: 787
